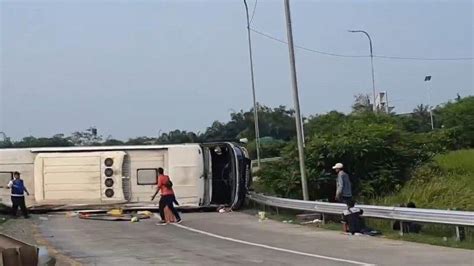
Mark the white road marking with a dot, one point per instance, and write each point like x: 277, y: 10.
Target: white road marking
x: 272, y: 248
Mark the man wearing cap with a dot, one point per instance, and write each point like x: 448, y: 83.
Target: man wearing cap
x: 344, y: 190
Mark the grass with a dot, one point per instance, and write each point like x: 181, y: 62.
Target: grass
x: 445, y: 183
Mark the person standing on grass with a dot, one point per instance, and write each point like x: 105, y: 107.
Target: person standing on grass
x: 18, y: 190
x: 344, y: 189
x: 167, y: 198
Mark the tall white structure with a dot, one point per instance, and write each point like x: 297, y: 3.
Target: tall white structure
x: 381, y: 102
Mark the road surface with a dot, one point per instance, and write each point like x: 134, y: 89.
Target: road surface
x: 232, y: 239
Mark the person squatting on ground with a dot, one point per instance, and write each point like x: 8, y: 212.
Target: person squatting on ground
x: 352, y: 218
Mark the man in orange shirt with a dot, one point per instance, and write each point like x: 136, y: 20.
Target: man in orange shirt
x: 167, y: 198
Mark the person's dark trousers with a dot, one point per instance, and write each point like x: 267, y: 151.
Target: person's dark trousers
x: 168, y: 200
x: 19, y: 202
x: 346, y: 200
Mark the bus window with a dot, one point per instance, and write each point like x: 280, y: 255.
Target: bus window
x: 5, y: 177
x: 147, y: 176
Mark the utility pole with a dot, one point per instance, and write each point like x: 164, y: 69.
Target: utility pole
x: 255, y: 105
x: 427, y: 79
x: 371, y: 64
x: 299, y: 127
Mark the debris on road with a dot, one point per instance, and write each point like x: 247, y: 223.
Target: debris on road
x: 262, y: 216
x: 316, y: 222
x: 223, y: 209
x: 115, y: 212
x: 42, y: 218
x: 307, y: 217
x: 145, y: 213
x: 116, y: 215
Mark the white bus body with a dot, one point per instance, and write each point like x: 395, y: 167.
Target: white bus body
x: 202, y: 174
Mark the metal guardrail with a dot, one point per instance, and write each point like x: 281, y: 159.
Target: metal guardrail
x: 266, y: 160
x: 460, y: 218
x: 254, y: 163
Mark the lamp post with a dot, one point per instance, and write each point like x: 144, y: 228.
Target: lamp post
x: 428, y: 79
x: 371, y: 63
x: 299, y: 124
x: 255, y: 105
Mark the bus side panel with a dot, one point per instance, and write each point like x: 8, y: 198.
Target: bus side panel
x: 143, y: 167
x: 186, y: 170
x: 63, y: 178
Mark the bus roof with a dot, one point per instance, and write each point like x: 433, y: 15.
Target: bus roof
x: 109, y: 148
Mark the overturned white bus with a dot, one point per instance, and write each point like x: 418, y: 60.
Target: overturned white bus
x: 203, y: 174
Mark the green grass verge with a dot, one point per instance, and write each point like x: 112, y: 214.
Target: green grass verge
x: 445, y: 183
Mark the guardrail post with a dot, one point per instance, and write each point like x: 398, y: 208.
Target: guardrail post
x: 401, y: 228
x: 460, y: 233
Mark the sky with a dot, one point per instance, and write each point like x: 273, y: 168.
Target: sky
x: 137, y: 68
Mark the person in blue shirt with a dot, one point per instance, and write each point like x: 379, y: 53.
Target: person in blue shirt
x: 18, y: 190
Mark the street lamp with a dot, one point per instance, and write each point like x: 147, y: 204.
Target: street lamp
x: 255, y: 106
x: 427, y: 79
x: 371, y: 62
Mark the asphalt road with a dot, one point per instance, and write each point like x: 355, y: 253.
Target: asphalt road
x: 231, y: 239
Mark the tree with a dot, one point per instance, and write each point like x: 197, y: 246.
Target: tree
x: 112, y: 142
x: 88, y: 137
x: 58, y: 140
x: 6, y: 143
x: 459, y: 116
x: 362, y: 104
x: 141, y: 141
x: 420, y: 119
x: 323, y: 124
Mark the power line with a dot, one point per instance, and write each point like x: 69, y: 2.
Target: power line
x: 361, y: 56
x: 304, y: 48
x: 253, y: 12
x: 425, y: 58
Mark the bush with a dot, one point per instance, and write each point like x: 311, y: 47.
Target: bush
x: 459, y: 117
x: 378, y: 154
